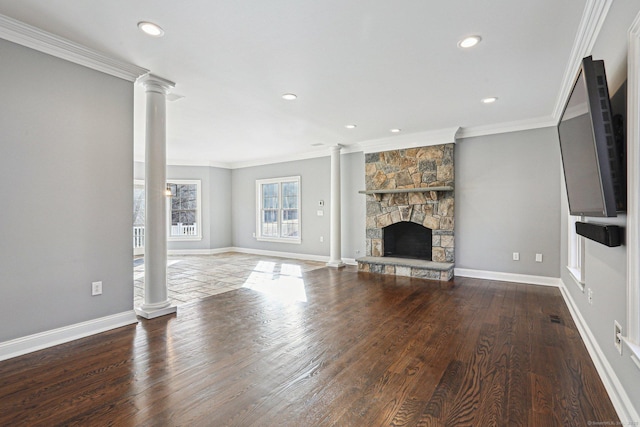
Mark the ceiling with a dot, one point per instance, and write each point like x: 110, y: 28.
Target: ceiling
x: 374, y: 63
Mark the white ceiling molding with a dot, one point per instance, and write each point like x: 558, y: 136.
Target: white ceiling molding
x: 282, y: 159
x: 238, y: 165
x: 595, y: 12
x: 411, y: 140
x: 186, y: 162
x: 535, y: 123
x: 211, y: 164
x: 42, y: 41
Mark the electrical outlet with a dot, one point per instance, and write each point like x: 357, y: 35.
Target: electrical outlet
x: 538, y: 257
x: 617, y: 336
x: 590, y: 296
x: 321, y: 239
x: 96, y: 288
x: 516, y: 256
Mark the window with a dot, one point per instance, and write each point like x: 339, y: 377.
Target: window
x: 138, y: 217
x: 575, y: 259
x: 184, y: 210
x: 278, y: 209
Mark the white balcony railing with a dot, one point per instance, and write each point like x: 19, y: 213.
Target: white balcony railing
x: 138, y: 237
x: 184, y: 230
x: 176, y: 230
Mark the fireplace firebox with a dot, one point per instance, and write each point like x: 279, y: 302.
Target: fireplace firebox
x: 407, y: 240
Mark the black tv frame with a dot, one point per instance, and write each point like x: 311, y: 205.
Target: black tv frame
x: 608, y: 159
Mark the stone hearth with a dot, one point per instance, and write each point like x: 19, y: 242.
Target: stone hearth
x: 420, y: 184
x: 407, y: 267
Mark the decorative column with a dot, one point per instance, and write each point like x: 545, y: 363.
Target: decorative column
x: 156, y: 302
x: 335, y: 256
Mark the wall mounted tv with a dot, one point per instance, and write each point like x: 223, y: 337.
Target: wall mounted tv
x: 592, y: 146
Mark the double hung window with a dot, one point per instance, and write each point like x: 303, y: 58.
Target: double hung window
x: 278, y: 209
x: 184, y: 210
x: 575, y: 258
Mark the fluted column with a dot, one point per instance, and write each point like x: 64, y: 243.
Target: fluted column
x: 335, y: 248
x: 156, y: 302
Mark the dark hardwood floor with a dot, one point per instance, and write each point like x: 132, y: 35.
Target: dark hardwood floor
x: 363, y: 350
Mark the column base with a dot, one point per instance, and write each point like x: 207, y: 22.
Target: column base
x: 151, y: 311
x: 336, y: 264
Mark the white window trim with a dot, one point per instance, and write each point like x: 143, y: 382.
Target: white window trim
x: 575, y: 256
x: 198, y: 184
x: 259, y: 237
x: 633, y: 187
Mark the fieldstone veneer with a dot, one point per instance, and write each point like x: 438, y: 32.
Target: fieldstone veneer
x: 411, y: 168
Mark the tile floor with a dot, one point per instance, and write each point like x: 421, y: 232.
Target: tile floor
x: 193, y: 277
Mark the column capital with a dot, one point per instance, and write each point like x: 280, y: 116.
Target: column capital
x: 335, y: 148
x: 153, y: 83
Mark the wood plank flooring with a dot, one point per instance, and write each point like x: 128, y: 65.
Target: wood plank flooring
x: 362, y: 350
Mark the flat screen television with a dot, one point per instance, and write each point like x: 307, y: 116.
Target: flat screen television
x: 592, y: 152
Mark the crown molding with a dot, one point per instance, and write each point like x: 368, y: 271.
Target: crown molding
x: 422, y: 139
x: 186, y: 162
x: 139, y: 158
x: 26, y: 35
x: 411, y: 140
x: 515, y: 126
x: 593, y: 16
x: 325, y: 152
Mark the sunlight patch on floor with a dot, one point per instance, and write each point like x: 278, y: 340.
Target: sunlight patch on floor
x: 286, y: 286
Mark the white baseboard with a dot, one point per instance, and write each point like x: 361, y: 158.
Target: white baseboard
x: 293, y: 255
x: 508, y: 277
x: 35, y: 342
x: 199, y: 251
x: 350, y: 261
x: 621, y: 402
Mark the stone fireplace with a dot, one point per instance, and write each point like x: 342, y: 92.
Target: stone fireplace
x: 410, y: 212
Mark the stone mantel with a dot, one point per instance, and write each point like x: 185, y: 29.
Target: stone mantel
x: 378, y: 193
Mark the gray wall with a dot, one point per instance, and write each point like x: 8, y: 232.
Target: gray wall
x: 220, y: 208
x: 354, y: 205
x: 216, y: 204
x: 66, y: 168
x: 508, y: 200
x: 315, y: 186
x: 605, y: 268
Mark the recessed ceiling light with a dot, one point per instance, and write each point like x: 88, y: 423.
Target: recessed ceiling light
x: 396, y: 130
x: 151, y: 29
x: 351, y: 126
x: 489, y: 100
x: 470, y: 41
x: 289, y: 96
